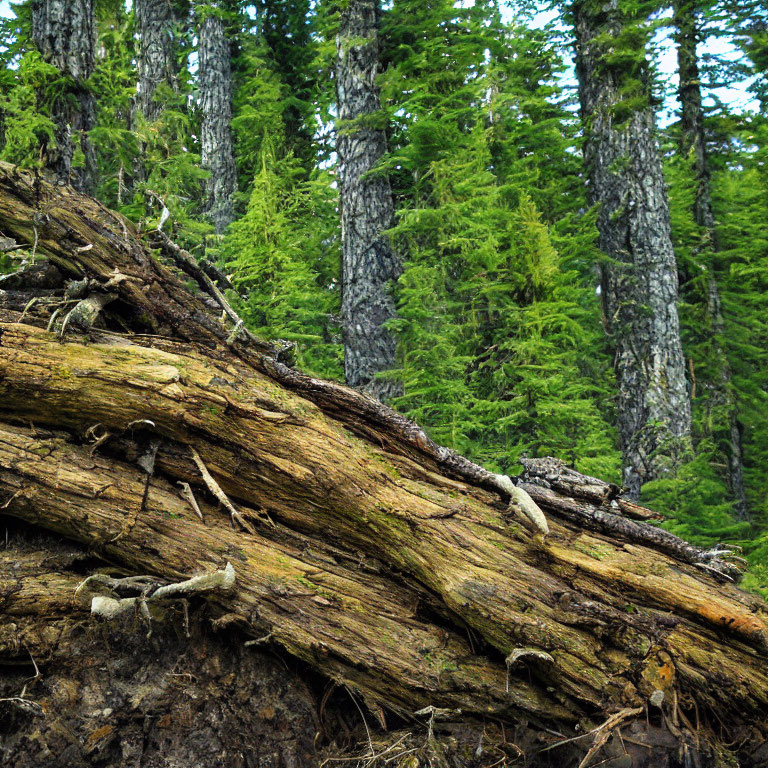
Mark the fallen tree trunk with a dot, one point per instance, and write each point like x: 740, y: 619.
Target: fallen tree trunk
x: 167, y: 445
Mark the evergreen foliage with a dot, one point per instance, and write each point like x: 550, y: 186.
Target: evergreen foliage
x: 29, y: 87
x: 259, y: 105
x: 285, y: 30
x: 283, y: 254
x: 699, y: 499
x: 28, y: 127
x: 500, y: 352
x: 742, y: 202
x: 114, y: 79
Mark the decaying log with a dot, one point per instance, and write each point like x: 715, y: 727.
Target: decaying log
x: 386, y: 564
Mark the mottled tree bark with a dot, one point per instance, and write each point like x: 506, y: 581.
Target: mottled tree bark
x: 156, y: 64
x: 693, y: 145
x: 156, y: 57
x: 64, y: 33
x: 639, y: 276
x: 369, y: 263
x: 358, y: 548
x: 218, y: 154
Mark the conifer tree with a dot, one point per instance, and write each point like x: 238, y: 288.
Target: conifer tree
x: 492, y: 328
x: 639, y: 276
x: 285, y: 27
x: 64, y: 33
x: 285, y: 261
x: 740, y: 199
x: 114, y: 80
x: 165, y: 122
x: 259, y: 106
x: 495, y: 321
x: 28, y: 85
x: 369, y: 263
x: 216, y: 87
x: 693, y: 149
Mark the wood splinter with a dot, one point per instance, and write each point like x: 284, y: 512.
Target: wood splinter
x: 221, y: 497
x: 188, y: 496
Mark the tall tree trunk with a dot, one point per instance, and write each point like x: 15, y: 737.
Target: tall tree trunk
x: 369, y: 263
x: 218, y: 153
x: 64, y: 33
x: 156, y: 57
x: 693, y: 145
x: 639, y: 276
x: 692, y: 137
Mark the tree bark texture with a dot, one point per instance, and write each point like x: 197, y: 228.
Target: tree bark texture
x: 64, y: 33
x: 218, y: 157
x: 156, y: 56
x: 369, y: 263
x: 693, y: 145
x: 639, y: 276
x: 358, y: 548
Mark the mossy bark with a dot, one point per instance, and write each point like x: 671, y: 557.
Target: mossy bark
x: 354, y: 551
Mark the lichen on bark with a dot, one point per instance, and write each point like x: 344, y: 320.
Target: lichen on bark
x: 218, y: 158
x: 639, y: 283
x: 370, y: 264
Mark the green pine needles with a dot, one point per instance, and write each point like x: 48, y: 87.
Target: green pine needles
x: 283, y: 255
